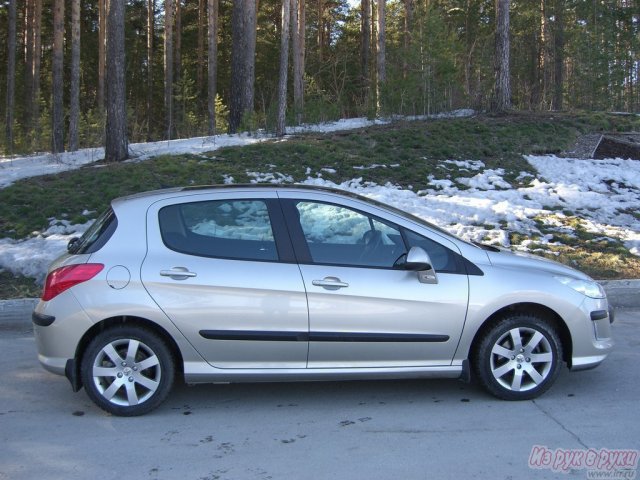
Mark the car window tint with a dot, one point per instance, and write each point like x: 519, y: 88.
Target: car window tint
x: 341, y: 236
x: 239, y: 229
x: 442, y: 259
x: 98, y: 233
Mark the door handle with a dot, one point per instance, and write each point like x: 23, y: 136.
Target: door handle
x: 178, y: 273
x: 330, y: 283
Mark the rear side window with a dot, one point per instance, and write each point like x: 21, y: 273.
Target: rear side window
x: 98, y: 234
x: 236, y: 229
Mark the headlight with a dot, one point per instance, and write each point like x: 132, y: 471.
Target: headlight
x: 585, y: 287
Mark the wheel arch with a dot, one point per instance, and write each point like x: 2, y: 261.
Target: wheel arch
x: 542, y: 311
x: 75, y: 377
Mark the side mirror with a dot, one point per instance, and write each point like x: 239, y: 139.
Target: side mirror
x: 73, y: 245
x: 418, y: 261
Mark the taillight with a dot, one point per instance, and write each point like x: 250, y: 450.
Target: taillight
x: 64, y: 278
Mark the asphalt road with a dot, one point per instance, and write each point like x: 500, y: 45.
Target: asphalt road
x: 342, y: 430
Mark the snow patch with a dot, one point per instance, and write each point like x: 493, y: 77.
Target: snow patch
x: 13, y: 169
x: 32, y: 257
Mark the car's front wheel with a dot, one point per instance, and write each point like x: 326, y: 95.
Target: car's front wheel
x: 127, y: 370
x: 518, y: 358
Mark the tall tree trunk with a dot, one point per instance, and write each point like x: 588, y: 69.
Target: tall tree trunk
x: 251, y: 26
x: 238, y: 51
x: 151, y: 9
x: 102, y: 42
x: 406, y: 36
x: 320, y: 35
x: 381, y: 66
x: 544, y: 62
x: 116, y: 145
x: 284, y: 68
x: 212, y: 63
x: 470, y: 45
x: 502, y: 101
x: 37, y: 57
x: 200, y: 56
x: 558, y: 56
x: 298, y: 29
x: 168, y: 67
x: 243, y: 25
x: 11, y: 73
x: 177, y: 66
x: 28, y: 62
x: 74, y: 100
x: 365, y: 45
x: 57, y: 87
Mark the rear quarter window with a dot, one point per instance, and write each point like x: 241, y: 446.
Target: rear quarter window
x: 98, y: 234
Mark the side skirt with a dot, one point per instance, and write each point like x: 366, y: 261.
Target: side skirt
x: 196, y: 372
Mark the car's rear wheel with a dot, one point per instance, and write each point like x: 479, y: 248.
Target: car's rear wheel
x: 518, y: 358
x: 127, y: 370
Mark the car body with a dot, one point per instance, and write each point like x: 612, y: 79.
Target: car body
x: 285, y: 283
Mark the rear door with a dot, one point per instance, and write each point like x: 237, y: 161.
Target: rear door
x: 221, y: 267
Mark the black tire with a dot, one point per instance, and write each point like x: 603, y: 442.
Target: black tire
x: 129, y: 383
x: 498, y: 360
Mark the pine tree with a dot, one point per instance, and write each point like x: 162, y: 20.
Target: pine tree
x: 284, y: 66
x: 57, y: 83
x: 381, y: 62
x: 151, y: 8
x: 298, y: 30
x: 502, y: 100
x: 212, y: 63
x: 243, y: 26
x: 102, y: 43
x: 116, y: 143
x: 11, y: 73
x: 74, y: 108
x: 168, y: 67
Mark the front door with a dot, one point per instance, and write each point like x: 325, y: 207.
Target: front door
x: 363, y: 312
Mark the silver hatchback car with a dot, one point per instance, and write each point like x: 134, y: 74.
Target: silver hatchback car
x: 265, y: 283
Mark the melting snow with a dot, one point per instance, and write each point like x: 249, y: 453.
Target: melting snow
x: 13, y: 169
x: 603, y: 194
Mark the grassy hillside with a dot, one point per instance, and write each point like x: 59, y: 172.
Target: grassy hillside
x: 414, y: 148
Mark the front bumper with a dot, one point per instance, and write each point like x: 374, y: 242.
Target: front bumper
x: 591, y: 334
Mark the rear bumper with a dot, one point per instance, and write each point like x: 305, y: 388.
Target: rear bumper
x: 53, y: 364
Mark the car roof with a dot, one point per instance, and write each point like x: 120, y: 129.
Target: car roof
x: 285, y: 187
x: 241, y: 186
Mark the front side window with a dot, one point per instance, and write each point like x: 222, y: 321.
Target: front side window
x: 340, y: 236
x: 237, y: 229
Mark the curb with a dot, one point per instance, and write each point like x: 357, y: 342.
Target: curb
x: 622, y: 293
x: 16, y: 314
